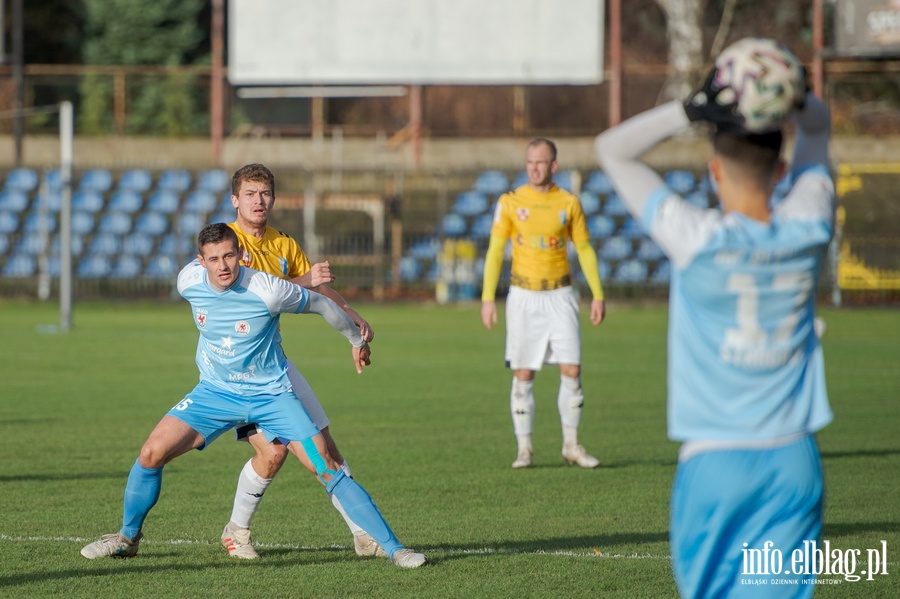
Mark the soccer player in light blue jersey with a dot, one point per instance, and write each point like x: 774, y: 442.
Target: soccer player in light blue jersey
x: 244, y: 378
x: 746, y: 381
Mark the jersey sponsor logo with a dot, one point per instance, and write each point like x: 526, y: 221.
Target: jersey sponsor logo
x: 225, y: 350
x: 242, y: 327
x: 522, y: 213
x: 247, y: 375
x: 541, y: 242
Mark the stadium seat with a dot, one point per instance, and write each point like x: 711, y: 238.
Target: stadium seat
x: 565, y: 180
x: 53, y: 199
x: 175, y: 246
x: 453, y: 225
x: 662, y: 273
x: 615, y: 248
x: 22, y: 179
x: 82, y: 223
x: 519, y: 180
x: 36, y: 221
x: 106, y: 244
x: 222, y: 217
x: 13, y: 200
x: 601, y: 226
x: 614, y: 206
x: 96, y: 179
x: 127, y: 266
x: 200, y: 200
x: 214, y: 181
x: 175, y: 180
x: 161, y: 267
x: 649, y: 251
x: 20, y: 265
x: 492, y: 182
x: 152, y: 223
x: 225, y: 204
x: 114, y: 222
x: 426, y: 249
x: 32, y: 244
x: 77, y: 245
x: 598, y: 182
x: 4, y: 243
x: 631, y: 271
x: 93, y: 266
x: 410, y: 268
x: 481, y: 228
x: 189, y: 223
x: 680, y: 181
x: 87, y: 201
x: 137, y: 180
x: 138, y: 244
x: 53, y: 179
x: 9, y: 222
x: 631, y: 229
x: 126, y: 200
x: 163, y: 201
x: 590, y: 203
x: 470, y: 203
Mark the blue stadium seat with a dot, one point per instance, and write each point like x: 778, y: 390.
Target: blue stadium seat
x: 519, y: 180
x: 222, y: 217
x: 662, y: 273
x: 426, y: 249
x: 189, y: 223
x: 680, y: 181
x: 53, y: 179
x: 631, y: 229
x: 93, y: 266
x: 127, y: 266
x: 4, y: 243
x: 598, y: 182
x: 96, y: 179
x: 53, y: 199
x: 615, y: 248
x: 453, y: 225
x: 225, y: 204
x: 175, y: 180
x: 13, y: 200
x: 137, y: 180
x: 614, y: 206
x: 152, y: 223
x: 200, y: 200
x: 492, y: 182
x: 77, y: 245
x: 214, y: 181
x: 631, y: 271
x: 126, y: 200
x: 35, y: 221
x: 87, y: 201
x: 22, y: 179
x: 481, y: 228
x: 82, y: 223
x: 9, y: 222
x: 106, y: 244
x: 161, y: 267
x: 590, y: 203
x: 163, y: 201
x: 649, y: 251
x: 601, y: 226
x: 20, y: 265
x: 565, y: 180
x: 118, y: 223
x: 32, y: 244
x: 138, y: 244
x: 175, y: 245
x: 410, y: 268
x: 470, y: 203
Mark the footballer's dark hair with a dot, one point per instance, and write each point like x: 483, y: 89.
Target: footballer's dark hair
x: 255, y: 172
x: 216, y: 233
x: 542, y: 141
x: 755, y: 154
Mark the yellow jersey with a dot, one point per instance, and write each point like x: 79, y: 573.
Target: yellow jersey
x: 276, y: 253
x: 540, y: 225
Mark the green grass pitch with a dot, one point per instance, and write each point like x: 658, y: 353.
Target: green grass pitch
x: 426, y: 430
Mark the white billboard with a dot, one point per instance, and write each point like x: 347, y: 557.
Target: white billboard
x: 499, y: 42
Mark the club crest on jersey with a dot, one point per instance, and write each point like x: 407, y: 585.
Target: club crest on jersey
x: 562, y: 217
x: 522, y: 213
x: 246, y: 257
x: 200, y: 317
x: 242, y: 327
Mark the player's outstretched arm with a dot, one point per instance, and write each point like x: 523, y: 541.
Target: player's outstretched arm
x: 813, y: 122
x: 317, y: 279
x: 342, y: 323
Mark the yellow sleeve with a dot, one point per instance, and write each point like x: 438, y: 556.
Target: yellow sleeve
x: 587, y: 258
x: 493, y: 262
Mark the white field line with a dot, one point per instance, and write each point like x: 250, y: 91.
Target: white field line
x: 595, y: 553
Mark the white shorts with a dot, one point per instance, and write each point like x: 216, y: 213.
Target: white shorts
x: 307, y: 398
x: 542, y: 328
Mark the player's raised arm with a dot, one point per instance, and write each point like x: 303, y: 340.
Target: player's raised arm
x: 813, y: 131
x: 342, y: 323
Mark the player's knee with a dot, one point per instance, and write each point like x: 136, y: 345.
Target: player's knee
x: 269, y: 459
x: 152, y: 455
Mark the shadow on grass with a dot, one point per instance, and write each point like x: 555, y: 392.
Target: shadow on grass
x: 122, y: 475
x: 861, y: 453
x: 848, y: 529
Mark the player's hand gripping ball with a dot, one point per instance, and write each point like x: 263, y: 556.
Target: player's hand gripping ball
x: 763, y: 80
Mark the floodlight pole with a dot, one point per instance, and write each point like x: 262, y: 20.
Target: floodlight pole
x: 66, y: 134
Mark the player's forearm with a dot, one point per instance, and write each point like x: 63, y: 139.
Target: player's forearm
x: 587, y: 258
x: 336, y: 317
x: 493, y: 262
x: 813, y: 132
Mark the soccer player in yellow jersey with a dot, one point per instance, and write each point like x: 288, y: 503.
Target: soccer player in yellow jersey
x: 269, y: 250
x: 540, y: 220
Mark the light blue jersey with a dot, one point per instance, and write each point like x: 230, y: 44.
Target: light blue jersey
x: 239, y: 349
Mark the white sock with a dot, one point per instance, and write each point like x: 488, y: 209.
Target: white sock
x: 570, y: 402
x: 521, y: 405
x: 250, y: 490
x: 354, y: 527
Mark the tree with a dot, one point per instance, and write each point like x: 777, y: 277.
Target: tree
x: 684, y: 29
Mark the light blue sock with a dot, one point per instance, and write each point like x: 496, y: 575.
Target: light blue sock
x: 141, y: 494
x: 363, y: 511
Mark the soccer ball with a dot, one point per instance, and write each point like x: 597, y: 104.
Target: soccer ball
x: 765, y: 80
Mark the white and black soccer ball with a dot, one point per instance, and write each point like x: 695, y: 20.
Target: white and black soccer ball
x: 765, y: 80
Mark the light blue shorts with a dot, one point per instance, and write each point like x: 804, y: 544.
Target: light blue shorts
x: 728, y: 503
x: 211, y: 411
